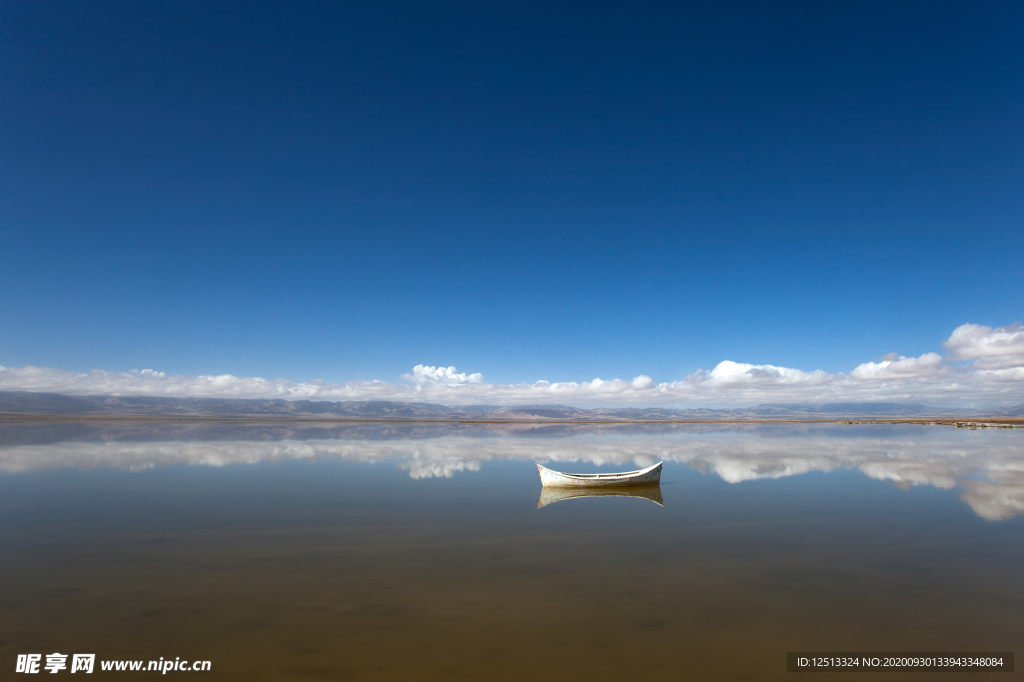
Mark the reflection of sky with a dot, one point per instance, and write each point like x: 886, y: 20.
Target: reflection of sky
x: 987, y: 466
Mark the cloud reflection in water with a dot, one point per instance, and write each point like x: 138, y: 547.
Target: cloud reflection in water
x: 987, y: 466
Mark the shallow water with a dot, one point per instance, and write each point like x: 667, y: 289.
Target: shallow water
x: 418, y: 552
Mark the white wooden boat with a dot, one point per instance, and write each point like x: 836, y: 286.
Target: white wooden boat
x: 550, y: 495
x: 649, y: 476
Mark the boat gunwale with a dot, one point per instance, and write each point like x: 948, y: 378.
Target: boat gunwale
x: 593, y: 477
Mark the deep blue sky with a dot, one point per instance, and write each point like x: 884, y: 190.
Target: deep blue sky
x: 549, y: 190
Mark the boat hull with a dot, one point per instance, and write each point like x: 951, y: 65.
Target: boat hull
x: 556, y: 479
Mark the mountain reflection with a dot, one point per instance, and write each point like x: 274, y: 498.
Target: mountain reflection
x: 551, y: 495
x: 988, y: 466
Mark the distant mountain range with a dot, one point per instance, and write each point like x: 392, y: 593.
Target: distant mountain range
x: 25, y: 403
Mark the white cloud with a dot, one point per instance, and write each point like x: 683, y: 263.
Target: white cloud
x: 643, y: 382
x: 929, y: 364
x: 446, y: 376
x: 988, y: 348
x: 994, y: 376
x: 729, y: 373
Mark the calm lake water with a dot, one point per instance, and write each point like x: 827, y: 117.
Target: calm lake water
x: 418, y: 551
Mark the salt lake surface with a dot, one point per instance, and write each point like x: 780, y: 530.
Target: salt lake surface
x: 418, y: 552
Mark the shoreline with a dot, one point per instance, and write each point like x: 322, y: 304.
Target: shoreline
x: 961, y: 422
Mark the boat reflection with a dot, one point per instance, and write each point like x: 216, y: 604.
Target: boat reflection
x: 550, y: 495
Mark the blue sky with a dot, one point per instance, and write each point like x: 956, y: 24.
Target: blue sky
x: 558, y: 191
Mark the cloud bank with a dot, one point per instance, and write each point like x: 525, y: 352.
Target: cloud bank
x: 983, y: 367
